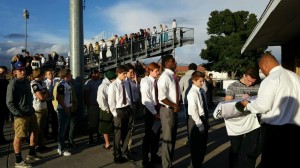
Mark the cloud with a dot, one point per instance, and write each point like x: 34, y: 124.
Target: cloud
x: 122, y: 17
x: 15, y: 35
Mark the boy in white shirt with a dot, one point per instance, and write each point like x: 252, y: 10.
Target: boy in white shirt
x: 198, y: 123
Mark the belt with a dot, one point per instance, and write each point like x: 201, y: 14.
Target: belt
x: 167, y: 107
x: 126, y: 107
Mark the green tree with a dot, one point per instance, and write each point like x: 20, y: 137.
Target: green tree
x: 228, y: 33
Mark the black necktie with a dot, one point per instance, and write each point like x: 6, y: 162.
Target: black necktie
x: 156, y: 91
x: 124, y: 94
x: 202, y: 92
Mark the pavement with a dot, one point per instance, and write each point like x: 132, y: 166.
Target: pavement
x: 94, y: 156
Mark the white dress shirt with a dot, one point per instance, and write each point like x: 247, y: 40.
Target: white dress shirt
x: 185, y: 84
x: 167, y: 87
x: 115, y: 96
x: 195, y: 105
x: 278, y: 98
x: 148, y: 93
x: 102, y: 97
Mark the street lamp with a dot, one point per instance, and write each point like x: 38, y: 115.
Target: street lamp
x: 26, y: 16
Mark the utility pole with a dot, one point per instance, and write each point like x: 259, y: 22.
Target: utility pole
x: 76, y: 49
x: 26, y: 16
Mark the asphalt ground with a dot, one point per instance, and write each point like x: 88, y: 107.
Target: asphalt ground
x: 94, y: 156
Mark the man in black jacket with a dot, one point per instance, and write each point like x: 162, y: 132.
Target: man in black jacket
x: 4, y: 110
x: 19, y: 102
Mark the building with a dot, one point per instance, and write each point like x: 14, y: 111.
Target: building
x: 279, y: 26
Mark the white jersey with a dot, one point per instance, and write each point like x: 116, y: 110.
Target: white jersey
x: 65, y: 89
x: 35, y: 64
x: 38, y: 86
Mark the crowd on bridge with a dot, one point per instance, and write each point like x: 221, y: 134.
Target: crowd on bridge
x: 120, y: 46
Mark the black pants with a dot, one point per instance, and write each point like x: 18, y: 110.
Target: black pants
x: 3, y: 115
x: 280, y: 146
x: 122, y: 124
x: 150, y: 140
x: 247, y: 146
x: 198, y: 143
x: 52, y: 119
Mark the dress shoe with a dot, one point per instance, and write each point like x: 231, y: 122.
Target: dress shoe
x: 129, y: 157
x: 120, y: 160
x: 42, y: 148
x: 132, y: 152
x: 155, y: 159
x: 146, y: 164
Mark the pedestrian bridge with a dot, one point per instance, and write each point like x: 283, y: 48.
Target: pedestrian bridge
x: 141, y: 48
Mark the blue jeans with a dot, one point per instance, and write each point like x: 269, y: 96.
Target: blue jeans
x: 63, y: 120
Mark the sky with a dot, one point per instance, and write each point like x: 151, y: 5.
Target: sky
x: 48, y: 23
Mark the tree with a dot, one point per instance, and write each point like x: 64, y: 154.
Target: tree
x: 228, y: 33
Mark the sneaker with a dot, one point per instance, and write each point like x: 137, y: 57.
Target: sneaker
x: 33, y: 158
x: 22, y: 164
x: 63, y: 153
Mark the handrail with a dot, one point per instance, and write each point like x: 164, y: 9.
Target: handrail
x: 141, y: 48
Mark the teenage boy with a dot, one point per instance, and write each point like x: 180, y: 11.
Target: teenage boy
x: 19, y: 102
x: 40, y: 95
x: 198, y: 123
x: 119, y: 102
x: 62, y: 103
x: 149, y: 93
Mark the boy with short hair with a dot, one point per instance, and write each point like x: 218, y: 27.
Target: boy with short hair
x: 198, y: 121
x: 19, y: 102
x: 119, y: 102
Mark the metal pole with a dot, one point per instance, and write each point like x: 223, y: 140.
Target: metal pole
x: 26, y: 16
x: 76, y: 49
x: 25, y: 34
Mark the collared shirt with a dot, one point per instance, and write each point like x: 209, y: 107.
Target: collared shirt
x: 278, y: 98
x: 102, y: 97
x: 115, y: 96
x: 185, y: 84
x: 148, y: 93
x: 167, y: 87
x: 195, y: 104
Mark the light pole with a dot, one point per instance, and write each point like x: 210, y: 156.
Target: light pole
x: 26, y: 16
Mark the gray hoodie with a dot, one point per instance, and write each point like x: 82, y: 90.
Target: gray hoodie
x: 19, y: 98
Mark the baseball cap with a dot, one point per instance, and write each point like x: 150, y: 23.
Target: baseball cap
x: 18, y: 65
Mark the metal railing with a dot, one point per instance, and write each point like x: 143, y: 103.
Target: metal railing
x: 140, y: 48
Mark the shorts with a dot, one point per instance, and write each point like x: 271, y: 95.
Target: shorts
x: 24, y: 125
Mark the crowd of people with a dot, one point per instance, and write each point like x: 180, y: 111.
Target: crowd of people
x: 126, y: 44
x: 39, y: 98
